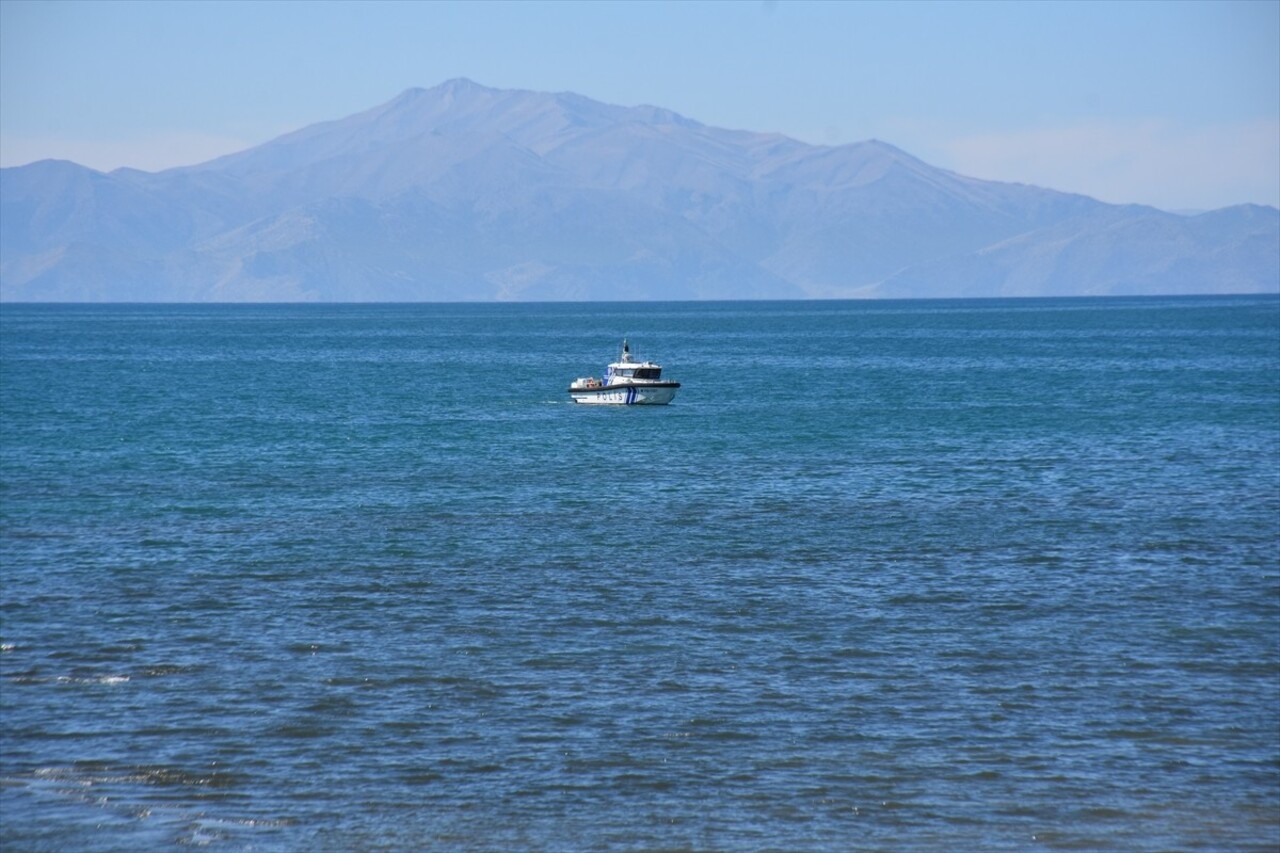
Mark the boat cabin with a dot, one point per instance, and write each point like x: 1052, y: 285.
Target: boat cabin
x: 629, y: 370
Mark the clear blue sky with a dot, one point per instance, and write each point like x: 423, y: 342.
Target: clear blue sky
x: 1175, y: 104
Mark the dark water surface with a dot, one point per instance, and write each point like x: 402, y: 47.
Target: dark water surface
x: 926, y: 576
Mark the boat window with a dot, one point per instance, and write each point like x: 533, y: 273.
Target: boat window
x: 648, y: 372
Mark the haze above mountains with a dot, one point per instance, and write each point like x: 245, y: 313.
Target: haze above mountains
x: 462, y: 192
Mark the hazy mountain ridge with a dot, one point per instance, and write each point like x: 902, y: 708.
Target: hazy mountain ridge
x: 466, y: 192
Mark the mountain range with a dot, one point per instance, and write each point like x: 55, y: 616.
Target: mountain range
x: 463, y: 192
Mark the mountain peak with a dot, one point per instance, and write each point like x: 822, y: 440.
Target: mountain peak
x: 449, y: 89
x: 461, y: 86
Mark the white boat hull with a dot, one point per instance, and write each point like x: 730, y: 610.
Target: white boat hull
x: 626, y: 395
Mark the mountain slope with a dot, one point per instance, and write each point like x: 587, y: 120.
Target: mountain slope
x: 1114, y: 251
x: 467, y: 192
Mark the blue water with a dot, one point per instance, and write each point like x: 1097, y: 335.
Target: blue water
x: 919, y: 576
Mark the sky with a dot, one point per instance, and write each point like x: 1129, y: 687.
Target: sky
x: 1172, y: 104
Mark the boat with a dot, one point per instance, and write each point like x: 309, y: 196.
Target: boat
x: 626, y: 382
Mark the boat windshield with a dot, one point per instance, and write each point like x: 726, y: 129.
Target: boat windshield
x: 648, y: 372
